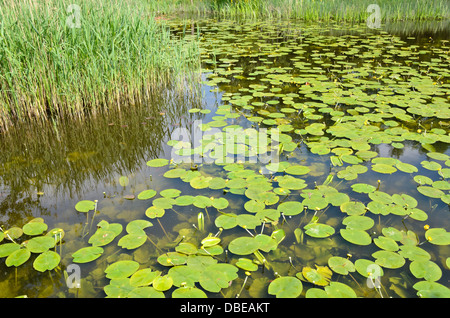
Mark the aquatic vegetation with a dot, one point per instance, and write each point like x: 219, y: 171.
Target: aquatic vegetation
x: 74, y: 71
x: 336, y: 210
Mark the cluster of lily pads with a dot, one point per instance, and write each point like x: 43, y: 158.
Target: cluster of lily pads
x: 21, y: 244
x: 326, y: 219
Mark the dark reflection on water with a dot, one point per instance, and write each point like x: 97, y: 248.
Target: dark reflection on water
x: 48, y: 167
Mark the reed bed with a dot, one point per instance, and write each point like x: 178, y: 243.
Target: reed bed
x: 310, y: 10
x: 120, y: 53
x: 334, y: 10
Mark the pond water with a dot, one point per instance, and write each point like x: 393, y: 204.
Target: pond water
x: 311, y: 156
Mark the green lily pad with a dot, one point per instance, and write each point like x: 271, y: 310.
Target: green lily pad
x: 339, y: 290
x: 388, y: 259
x: 172, y: 259
x: 226, y: 221
x: 320, y: 276
x: 243, y: 245
x: 353, y: 208
x: 341, y: 265
x: 46, y: 261
x: 188, y: 292
x: 18, y: 257
x: 8, y: 248
x: 285, y: 287
x: 246, y: 264
x: 427, y: 289
x: 431, y: 165
x: 145, y: 292
x: 358, y: 237
x: 319, y: 230
x: 40, y: 244
x: 143, y: 277
x: 85, y: 206
x: 132, y: 241
x: 35, y: 227
x: 248, y: 221
x: 162, y: 283
x: 87, y: 254
x: 386, y: 243
x: 358, y: 222
x: 220, y: 203
x: 414, y: 253
x: 105, y: 233
x: 368, y: 268
x: 154, y: 212
x: 146, y: 194
x: 438, y: 236
x: 297, y: 170
x: 383, y: 168
x: 121, y: 269
x: 217, y: 276
x: 290, y: 208
x: 430, y: 191
x: 157, y: 163
x: 425, y: 269
x: 363, y: 188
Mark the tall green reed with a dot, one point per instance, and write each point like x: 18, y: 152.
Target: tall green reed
x: 121, y: 53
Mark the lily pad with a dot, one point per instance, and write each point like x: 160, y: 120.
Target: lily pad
x: 87, y: 254
x: 285, y: 287
x: 46, y: 261
x: 217, y: 276
x: 290, y: 208
x: 430, y: 191
x: 243, y: 245
x: 155, y: 163
x: 85, y: 206
x: 319, y: 230
x: 358, y: 237
x: 426, y: 269
x: 18, y: 257
x: 438, y: 236
x: 320, y: 276
x: 121, y: 269
x: 388, y: 259
x: 341, y: 265
x: 146, y: 194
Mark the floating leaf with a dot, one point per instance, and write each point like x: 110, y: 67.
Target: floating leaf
x: 217, y: 276
x: 85, y: 206
x: 121, y: 269
x: 143, y: 277
x: 427, y: 289
x: 146, y: 194
x: 8, y: 248
x: 358, y: 237
x: 18, y: 257
x: 339, y: 290
x: 35, y: 227
x: 188, y: 292
x: 46, y: 261
x: 320, y: 276
x: 438, y: 236
x: 40, y: 244
x: 319, y: 230
x: 285, y: 287
x: 290, y: 208
x: 172, y: 259
x: 246, y: 264
x: 425, y: 269
x: 353, y: 208
x: 341, y: 265
x: 363, y: 188
x: 388, y: 259
x: 386, y: 243
x: 430, y: 191
x: 157, y: 163
x: 243, y: 245
x: 154, y: 212
x: 383, y: 168
x: 358, y: 222
x: 87, y: 254
x: 162, y: 283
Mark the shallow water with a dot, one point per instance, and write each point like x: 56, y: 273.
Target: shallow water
x: 380, y: 79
